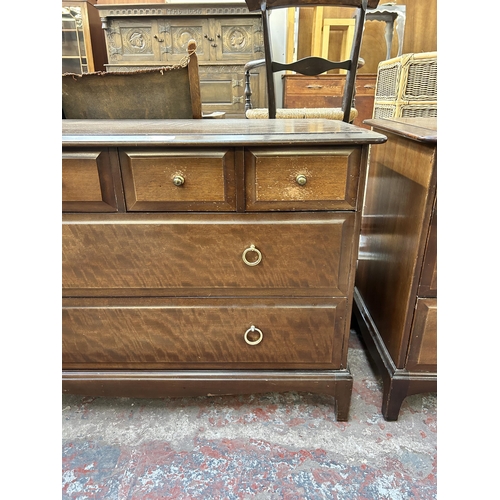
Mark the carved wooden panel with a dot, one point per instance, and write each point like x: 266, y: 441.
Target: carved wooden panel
x: 133, y: 40
x: 238, y: 40
x: 178, y: 32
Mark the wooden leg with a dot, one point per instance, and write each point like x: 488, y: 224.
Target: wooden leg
x: 343, y: 399
x: 395, y: 391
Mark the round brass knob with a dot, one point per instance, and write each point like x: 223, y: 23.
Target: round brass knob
x: 258, y: 340
x: 178, y: 180
x: 301, y: 179
x: 251, y: 248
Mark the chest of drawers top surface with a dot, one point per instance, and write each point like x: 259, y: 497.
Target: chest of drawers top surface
x: 215, y: 132
x: 418, y: 129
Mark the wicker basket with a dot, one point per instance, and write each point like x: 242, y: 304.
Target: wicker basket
x: 407, y: 86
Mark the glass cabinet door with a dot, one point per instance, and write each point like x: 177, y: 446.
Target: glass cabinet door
x: 74, y: 56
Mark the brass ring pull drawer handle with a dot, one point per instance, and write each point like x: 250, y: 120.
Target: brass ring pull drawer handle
x: 178, y: 180
x: 251, y: 330
x: 251, y: 248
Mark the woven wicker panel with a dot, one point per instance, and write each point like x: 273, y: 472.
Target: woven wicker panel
x: 384, y: 111
x: 407, y: 86
x: 417, y: 111
x: 421, y: 80
x: 387, y: 81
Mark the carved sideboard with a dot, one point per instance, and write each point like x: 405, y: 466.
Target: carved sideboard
x: 227, y: 36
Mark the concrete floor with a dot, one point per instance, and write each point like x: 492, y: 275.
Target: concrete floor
x: 272, y: 446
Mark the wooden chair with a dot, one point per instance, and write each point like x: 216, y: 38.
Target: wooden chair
x: 165, y: 92
x: 310, y: 66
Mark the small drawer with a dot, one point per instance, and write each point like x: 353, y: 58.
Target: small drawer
x: 208, y: 254
x: 311, y: 179
x: 428, y: 279
x: 308, y: 86
x: 90, y: 181
x: 422, y: 351
x: 179, y: 180
x: 203, y: 333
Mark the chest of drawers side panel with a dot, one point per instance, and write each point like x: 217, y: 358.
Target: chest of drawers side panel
x: 399, y: 199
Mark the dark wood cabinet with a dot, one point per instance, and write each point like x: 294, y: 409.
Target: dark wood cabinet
x: 220, y: 260
x: 396, y: 279
x: 227, y: 36
x: 83, y: 44
x: 325, y: 91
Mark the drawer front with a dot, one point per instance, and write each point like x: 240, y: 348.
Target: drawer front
x: 428, y: 280
x: 314, y: 179
x: 422, y: 353
x: 203, y: 333
x: 203, y: 255
x: 304, y: 88
x: 91, y: 181
x: 179, y: 179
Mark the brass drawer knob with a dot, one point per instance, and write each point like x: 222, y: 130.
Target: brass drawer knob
x: 252, y: 330
x: 178, y: 180
x: 301, y: 179
x: 251, y: 248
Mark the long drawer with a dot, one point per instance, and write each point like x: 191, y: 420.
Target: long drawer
x: 208, y: 254
x: 156, y: 333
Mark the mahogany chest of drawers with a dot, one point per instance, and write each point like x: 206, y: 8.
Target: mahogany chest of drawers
x: 396, y: 280
x: 210, y: 256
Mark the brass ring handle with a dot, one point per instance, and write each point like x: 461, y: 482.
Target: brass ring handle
x: 301, y: 180
x: 178, y: 180
x: 251, y: 248
x: 253, y: 342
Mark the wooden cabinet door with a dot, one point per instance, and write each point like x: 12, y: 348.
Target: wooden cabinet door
x: 236, y: 40
x: 178, y: 31
x: 135, y: 40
